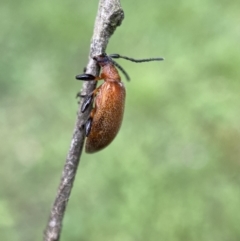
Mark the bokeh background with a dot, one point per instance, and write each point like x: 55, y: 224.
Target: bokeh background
x: 173, y: 172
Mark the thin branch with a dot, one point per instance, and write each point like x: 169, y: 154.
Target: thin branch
x: 109, y: 17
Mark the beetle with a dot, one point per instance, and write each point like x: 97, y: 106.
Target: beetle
x: 106, y: 116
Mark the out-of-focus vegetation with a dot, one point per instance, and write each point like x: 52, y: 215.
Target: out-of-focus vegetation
x: 173, y: 172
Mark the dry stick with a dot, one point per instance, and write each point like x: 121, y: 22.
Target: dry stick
x: 109, y: 17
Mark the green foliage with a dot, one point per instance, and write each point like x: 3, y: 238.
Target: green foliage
x: 172, y: 173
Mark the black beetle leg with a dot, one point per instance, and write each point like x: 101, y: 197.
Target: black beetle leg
x: 87, y: 101
x: 79, y: 95
x: 85, y: 77
x: 88, y: 126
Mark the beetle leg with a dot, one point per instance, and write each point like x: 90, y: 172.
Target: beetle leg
x: 88, y: 124
x: 88, y: 99
x: 88, y: 77
x: 87, y: 102
x: 85, y: 77
x: 78, y: 95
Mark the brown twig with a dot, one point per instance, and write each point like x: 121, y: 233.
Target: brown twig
x: 109, y: 17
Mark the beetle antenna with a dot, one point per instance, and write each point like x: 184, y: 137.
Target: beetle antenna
x: 118, y: 56
x: 121, y: 68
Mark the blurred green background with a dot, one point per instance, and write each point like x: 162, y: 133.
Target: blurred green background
x: 172, y: 173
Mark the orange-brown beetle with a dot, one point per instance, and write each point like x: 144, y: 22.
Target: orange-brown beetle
x: 106, y: 117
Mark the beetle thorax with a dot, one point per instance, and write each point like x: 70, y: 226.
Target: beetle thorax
x: 110, y: 73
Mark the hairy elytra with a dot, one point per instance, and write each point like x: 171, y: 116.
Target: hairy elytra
x: 106, y: 116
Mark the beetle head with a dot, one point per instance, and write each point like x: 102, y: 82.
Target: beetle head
x: 102, y: 59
